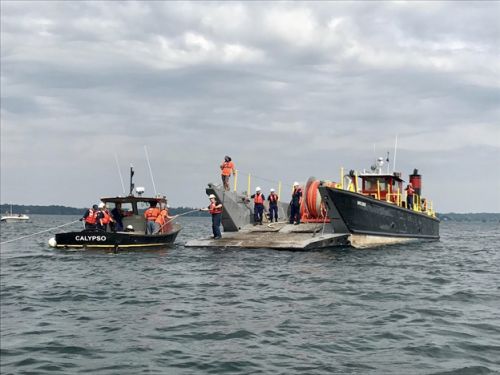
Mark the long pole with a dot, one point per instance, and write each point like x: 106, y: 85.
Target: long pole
x: 395, y: 150
x: 120, y: 173
x: 150, y: 171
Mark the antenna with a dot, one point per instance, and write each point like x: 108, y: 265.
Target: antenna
x: 395, y: 151
x: 120, y: 173
x: 131, y: 183
x: 150, y: 171
x: 387, y: 160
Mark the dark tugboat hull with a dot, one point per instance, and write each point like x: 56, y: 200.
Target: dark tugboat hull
x: 95, y: 239
x: 373, y: 221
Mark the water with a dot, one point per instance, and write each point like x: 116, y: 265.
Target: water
x: 429, y: 308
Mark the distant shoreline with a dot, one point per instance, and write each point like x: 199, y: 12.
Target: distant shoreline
x: 65, y: 210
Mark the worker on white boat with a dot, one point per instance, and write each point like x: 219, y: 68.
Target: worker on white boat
x: 295, y: 204
x: 273, y: 205
x: 163, y: 219
x: 117, y: 215
x: 258, y: 208
x: 103, y: 217
x: 150, y: 215
x: 90, y: 217
x: 215, y: 209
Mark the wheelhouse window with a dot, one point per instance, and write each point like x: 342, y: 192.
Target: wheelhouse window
x: 370, y: 184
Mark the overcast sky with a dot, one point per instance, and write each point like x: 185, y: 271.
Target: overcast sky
x: 287, y: 89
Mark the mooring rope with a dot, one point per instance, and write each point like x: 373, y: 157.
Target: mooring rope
x: 34, y: 234
x: 176, y: 216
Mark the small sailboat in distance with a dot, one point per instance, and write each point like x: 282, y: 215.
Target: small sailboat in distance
x: 13, y: 218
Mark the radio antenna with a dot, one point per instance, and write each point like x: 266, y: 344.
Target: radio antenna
x: 150, y: 171
x: 395, y: 151
x: 120, y: 173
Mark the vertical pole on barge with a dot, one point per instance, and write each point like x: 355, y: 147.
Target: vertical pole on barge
x: 235, y: 180
x: 248, y: 187
x: 279, y: 190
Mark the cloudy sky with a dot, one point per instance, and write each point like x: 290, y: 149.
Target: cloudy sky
x: 287, y: 89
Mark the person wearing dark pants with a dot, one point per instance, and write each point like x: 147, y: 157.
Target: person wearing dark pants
x: 295, y: 204
x: 215, y: 209
x: 258, y: 208
x: 409, y: 196
x: 273, y: 206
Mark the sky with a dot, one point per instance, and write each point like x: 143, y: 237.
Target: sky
x: 289, y: 90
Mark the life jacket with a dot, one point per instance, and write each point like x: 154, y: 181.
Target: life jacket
x: 151, y: 213
x: 92, y: 217
x: 258, y: 199
x: 106, y: 217
x: 227, y: 167
x: 161, y: 217
x: 273, y: 198
x: 214, y: 210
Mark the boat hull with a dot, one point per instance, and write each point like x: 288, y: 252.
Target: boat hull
x: 368, y: 219
x: 96, y: 239
x: 14, y: 219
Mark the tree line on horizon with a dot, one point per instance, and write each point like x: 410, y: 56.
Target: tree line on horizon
x: 64, y: 210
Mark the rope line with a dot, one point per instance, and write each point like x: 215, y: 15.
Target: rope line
x: 34, y: 234
x: 176, y: 216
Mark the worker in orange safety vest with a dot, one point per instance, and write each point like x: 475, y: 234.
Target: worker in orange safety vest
x: 226, y: 168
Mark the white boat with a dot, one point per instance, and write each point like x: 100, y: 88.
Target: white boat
x: 12, y: 218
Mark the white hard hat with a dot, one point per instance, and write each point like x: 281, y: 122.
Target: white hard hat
x: 257, y: 188
x: 295, y: 183
x: 272, y: 190
x: 130, y: 227
x: 168, y: 206
x: 101, y: 205
x: 211, y: 196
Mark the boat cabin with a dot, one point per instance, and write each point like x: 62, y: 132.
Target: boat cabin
x: 388, y: 187
x: 133, y: 208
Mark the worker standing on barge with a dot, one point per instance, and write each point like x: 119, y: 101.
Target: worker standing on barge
x: 409, y: 196
x: 273, y: 205
x: 215, y: 209
x: 226, y: 168
x: 258, y: 208
x: 295, y: 204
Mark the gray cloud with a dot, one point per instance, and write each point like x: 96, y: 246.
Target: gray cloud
x: 288, y: 89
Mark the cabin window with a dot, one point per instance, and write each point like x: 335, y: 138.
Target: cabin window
x: 371, y: 185
x: 126, y: 207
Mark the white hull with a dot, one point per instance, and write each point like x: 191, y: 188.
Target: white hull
x: 362, y: 241
x: 14, y: 218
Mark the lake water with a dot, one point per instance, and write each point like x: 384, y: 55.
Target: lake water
x: 427, y: 308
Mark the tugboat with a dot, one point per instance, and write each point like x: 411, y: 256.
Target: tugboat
x: 133, y: 237
x: 375, y: 213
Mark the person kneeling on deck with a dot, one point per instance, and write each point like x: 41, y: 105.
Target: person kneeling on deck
x: 215, y: 209
x: 150, y: 215
x: 273, y: 206
x: 409, y: 196
x: 258, y: 209
x: 295, y: 204
x: 90, y: 217
x: 163, y: 219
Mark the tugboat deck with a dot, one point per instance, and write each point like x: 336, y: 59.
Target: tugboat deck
x: 280, y: 236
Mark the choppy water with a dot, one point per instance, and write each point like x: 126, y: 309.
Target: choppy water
x: 429, y: 308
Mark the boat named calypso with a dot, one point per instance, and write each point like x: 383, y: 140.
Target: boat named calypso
x: 90, y: 238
